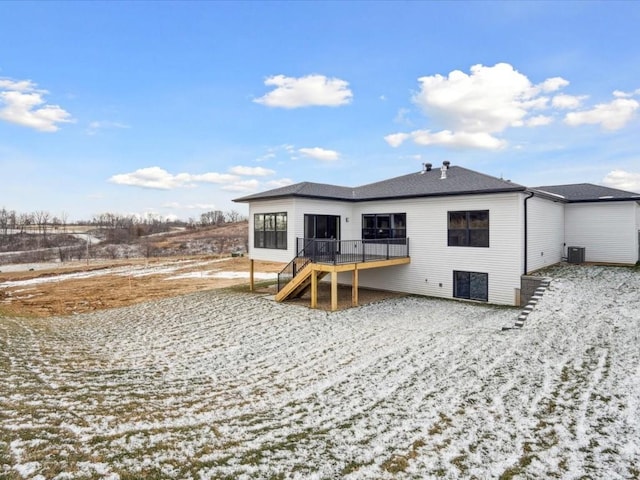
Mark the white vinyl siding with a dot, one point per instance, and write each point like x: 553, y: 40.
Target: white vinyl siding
x: 607, y: 231
x: 296, y: 208
x: 272, y: 254
x: 545, y: 220
x: 433, y: 262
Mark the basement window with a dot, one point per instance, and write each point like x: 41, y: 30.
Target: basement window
x: 471, y: 285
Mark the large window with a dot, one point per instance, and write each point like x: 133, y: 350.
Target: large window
x: 469, y: 229
x: 386, y: 225
x: 471, y: 285
x: 270, y: 230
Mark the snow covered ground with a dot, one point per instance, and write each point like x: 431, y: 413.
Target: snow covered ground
x: 164, y: 268
x: 227, y: 385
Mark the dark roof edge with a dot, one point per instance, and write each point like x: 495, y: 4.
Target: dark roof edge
x: 375, y: 199
x: 547, y: 195
x: 561, y: 198
x: 604, y: 200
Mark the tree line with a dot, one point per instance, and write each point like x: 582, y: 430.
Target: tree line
x: 116, y: 228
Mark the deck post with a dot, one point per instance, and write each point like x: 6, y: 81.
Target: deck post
x: 334, y: 291
x: 314, y: 289
x: 354, y: 287
x: 251, y: 270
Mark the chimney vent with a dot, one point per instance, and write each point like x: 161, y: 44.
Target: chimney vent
x: 446, y: 163
x: 426, y: 167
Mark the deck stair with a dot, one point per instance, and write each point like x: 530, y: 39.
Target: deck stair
x: 316, y: 258
x: 299, y: 284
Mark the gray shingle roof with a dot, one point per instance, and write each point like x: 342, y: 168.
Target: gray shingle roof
x: 459, y: 181
x: 587, y: 192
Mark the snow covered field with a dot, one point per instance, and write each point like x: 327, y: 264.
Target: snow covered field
x: 227, y: 385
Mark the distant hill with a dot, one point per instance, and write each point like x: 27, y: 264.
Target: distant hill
x: 30, y: 246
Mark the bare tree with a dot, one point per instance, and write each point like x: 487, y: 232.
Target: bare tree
x: 64, y: 217
x: 213, y: 217
x: 233, y: 216
x: 41, y: 218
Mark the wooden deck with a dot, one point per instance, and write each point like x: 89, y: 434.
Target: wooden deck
x: 313, y: 272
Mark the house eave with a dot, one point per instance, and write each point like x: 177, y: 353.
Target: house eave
x: 382, y: 197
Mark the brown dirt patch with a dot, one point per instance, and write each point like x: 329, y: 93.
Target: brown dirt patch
x: 365, y: 296
x: 110, y: 290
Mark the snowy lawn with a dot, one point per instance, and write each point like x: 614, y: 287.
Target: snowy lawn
x: 227, y: 385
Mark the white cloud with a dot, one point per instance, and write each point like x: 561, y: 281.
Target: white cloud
x: 251, y: 171
x: 610, y: 116
x: 621, y: 94
x: 396, y: 139
x: 539, y: 121
x: 282, y: 182
x: 553, y: 84
x: 489, y: 100
x: 23, y: 104
x: 567, y: 102
x: 402, y: 116
x: 320, y: 154
x: 623, y: 180
x: 311, y: 90
x: 472, y: 109
x: 458, y: 139
x: 213, y: 177
x: 159, y: 178
x: 95, y: 127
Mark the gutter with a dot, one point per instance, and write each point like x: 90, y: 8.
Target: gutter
x: 526, y: 233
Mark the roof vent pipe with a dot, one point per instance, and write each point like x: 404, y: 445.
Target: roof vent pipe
x: 443, y: 172
x: 446, y: 163
x: 426, y: 167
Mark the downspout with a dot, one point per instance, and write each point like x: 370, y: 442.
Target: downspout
x: 526, y: 236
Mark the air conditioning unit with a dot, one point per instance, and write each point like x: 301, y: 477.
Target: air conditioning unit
x: 575, y: 254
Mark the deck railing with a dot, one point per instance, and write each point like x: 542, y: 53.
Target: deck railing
x: 294, y: 266
x: 337, y: 252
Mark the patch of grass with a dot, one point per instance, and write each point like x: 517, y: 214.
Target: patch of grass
x: 459, y: 463
x: 254, y: 457
x: 396, y: 464
x: 399, y: 463
x: 353, y: 467
x: 517, y: 469
x: 440, y: 425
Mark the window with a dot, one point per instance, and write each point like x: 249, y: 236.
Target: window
x: 469, y: 229
x: 387, y: 225
x: 270, y: 230
x: 471, y: 285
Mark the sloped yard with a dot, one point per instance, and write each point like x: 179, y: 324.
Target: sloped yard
x: 220, y: 384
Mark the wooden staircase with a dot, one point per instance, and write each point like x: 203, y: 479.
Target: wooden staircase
x: 299, y: 284
x: 315, y: 258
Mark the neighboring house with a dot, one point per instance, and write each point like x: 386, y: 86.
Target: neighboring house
x: 449, y: 232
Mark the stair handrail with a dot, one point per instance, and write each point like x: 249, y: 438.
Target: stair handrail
x: 292, y: 265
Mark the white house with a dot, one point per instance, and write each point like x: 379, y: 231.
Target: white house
x: 449, y: 232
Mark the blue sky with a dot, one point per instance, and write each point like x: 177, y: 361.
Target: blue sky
x: 174, y: 109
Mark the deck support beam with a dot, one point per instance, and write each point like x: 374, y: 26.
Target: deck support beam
x: 314, y: 289
x: 251, y: 271
x: 334, y: 290
x: 354, y: 287
x: 313, y: 272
